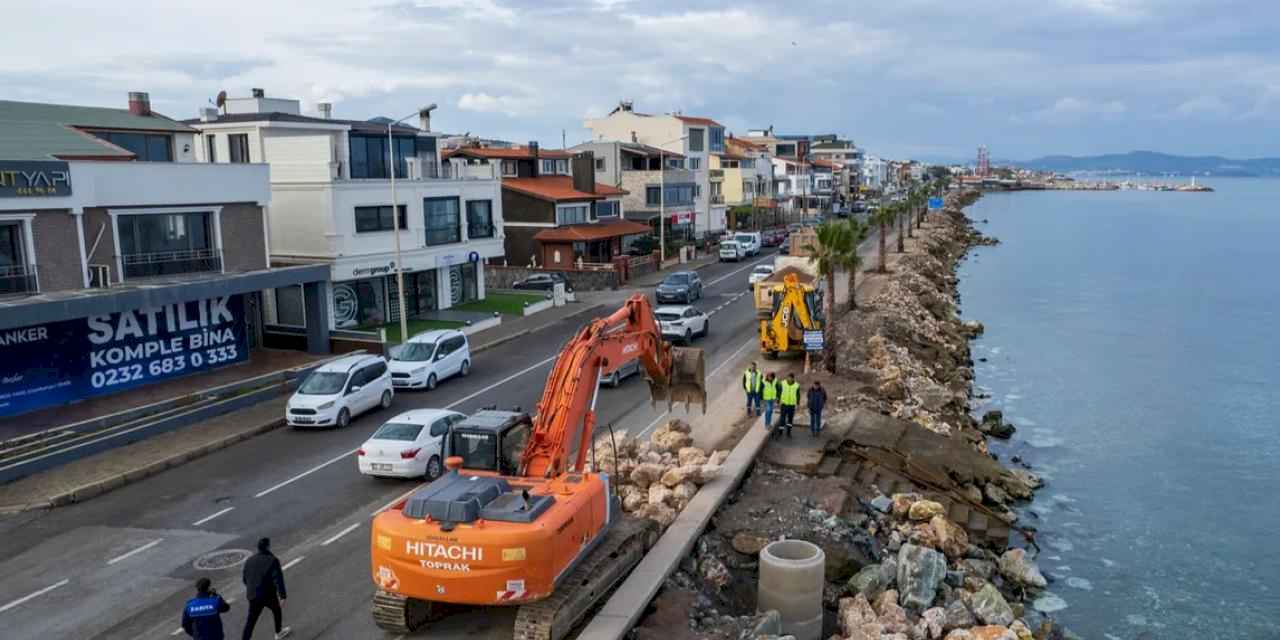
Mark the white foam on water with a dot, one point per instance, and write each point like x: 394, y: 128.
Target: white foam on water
x: 1062, y: 497
x: 1108, y: 636
x: 1012, y: 396
x: 995, y: 350
x: 1136, y: 620
x: 1108, y: 562
x: 1044, y: 439
x: 1062, y: 545
x: 1066, y: 568
x: 1079, y: 583
x: 1023, y: 422
x: 1049, y: 602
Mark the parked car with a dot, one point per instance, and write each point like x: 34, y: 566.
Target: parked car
x: 773, y: 237
x: 429, y: 357
x: 340, y: 390
x: 409, y: 445
x: 542, y: 282
x: 750, y: 241
x: 731, y: 251
x: 759, y: 273
x: 682, y: 323
x: 622, y: 372
x: 681, y: 286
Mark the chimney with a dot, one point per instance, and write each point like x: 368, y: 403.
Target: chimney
x: 584, y: 171
x: 424, y: 119
x: 325, y: 109
x: 139, y: 103
x: 633, y: 137
x: 533, y: 153
x: 259, y: 93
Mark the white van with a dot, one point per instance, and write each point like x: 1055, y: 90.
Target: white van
x: 339, y: 391
x: 750, y: 242
x: 429, y: 357
x: 731, y: 250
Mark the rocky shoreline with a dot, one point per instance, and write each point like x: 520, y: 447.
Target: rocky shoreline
x: 897, y: 567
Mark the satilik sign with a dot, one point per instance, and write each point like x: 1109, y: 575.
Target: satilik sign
x: 35, y: 179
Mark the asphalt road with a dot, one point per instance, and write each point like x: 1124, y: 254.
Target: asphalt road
x: 121, y: 565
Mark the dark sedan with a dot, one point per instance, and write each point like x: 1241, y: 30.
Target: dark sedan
x: 542, y: 282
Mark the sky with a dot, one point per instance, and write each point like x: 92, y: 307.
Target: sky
x: 903, y: 79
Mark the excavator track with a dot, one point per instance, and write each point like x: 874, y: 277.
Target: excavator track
x: 400, y: 614
x: 592, y: 580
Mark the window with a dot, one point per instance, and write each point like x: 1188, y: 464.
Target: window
x: 369, y: 219
x: 697, y: 191
x: 290, y: 306
x: 716, y: 141
x: 553, y: 166
x: 239, y: 143
x: 599, y: 164
x: 695, y: 164
x: 509, y: 168
x: 15, y: 273
x: 652, y: 196
x: 148, y: 147
x: 369, y: 156
x: 480, y: 219
x: 442, y: 220
x: 211, y: 145
x: 608, y: 208
x: 749, y: 163
x: 562, y: 166
x: 573, y: 214
x: 696, y: 143
x: 165, y: 244
x: 785, y: 150
x: 675, y: 163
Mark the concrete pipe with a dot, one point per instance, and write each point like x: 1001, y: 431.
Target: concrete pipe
x: 791, y: 581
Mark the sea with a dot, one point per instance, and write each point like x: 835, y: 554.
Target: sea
x: 1133, y: 338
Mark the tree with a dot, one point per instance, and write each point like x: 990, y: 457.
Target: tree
x: 884, y: 217
x: 836, y: 250
x: 859, y: 232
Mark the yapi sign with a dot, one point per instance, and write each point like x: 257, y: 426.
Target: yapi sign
x: 37, y: 179
x: 60, y: 362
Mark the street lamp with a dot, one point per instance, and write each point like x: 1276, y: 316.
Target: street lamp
x: 395, y: 220
x: 662, y: 200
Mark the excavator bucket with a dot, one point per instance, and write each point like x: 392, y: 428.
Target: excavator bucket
x: 688, y: 382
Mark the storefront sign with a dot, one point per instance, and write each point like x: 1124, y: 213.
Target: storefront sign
x: 682, y: 217
x: 60, y: 362
x: 450, y: 259
x: 36, y: 179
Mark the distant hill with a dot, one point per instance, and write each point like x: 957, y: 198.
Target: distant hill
x: 1151, y: 162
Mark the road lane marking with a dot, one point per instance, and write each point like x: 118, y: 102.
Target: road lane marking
x: 739, y: 270
x: 340, y: 534
x: 291, y: 563
x: 714, y: 371
x: 504, y: 380
x: 36, y: 594
x: 306, y: 473
x: 135, y: 551
x: 397, y: 499
x: 210, y: 517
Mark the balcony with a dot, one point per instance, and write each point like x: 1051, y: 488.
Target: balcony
x: 168, y: 263
x: 19, y: 279
x: 717, y: 199
x: 715, y: 175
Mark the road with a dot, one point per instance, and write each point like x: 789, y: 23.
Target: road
x: 122, y: 564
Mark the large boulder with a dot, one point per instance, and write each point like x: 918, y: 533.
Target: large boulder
x: 951, y: 538
x: 920, y: 571
x: 747, y: 543
x: 892, y: 617
x: 959, y: 634
x: 931, y: 624
x: 1031, y: 480
x: 691, y: 456
x: 660, y: 495
x: 632, y: 497
x: 677, y: 475
x: 857, y: 620
x: 671, y: 441
x: 645, y: 474
x: 1015, y: 566
x: 869, y: 581
x: 990, y: 607
x: 925, y: 510
x: 992, y: 632
x: 995, y: 494
x: 958, y: 616
x: 659, y: 513
x: 902, y: 503
x: 976, y: 567
x: 685, y: 491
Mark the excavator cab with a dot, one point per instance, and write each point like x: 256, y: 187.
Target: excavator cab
x: 490, y: 440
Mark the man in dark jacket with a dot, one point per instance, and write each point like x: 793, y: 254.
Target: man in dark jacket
x: 817, y: 399
x: 264, y: 587
x: 202, y: 616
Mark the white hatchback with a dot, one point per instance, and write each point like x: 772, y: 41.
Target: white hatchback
x: 682, y: 323
x: 409, y: 445
x: 429, y: 357
x: 340, y: 390
x: 760, y: 272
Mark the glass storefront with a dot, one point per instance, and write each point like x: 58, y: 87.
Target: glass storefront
x: 463, y: 283
x: 358, y: 303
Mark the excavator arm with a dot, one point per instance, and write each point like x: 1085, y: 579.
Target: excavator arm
x: 565, y: 419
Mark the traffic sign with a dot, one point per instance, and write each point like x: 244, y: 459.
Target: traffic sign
x: 813, y: 341
x: 935, y: 203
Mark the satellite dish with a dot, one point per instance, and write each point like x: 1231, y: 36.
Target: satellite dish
x: 221, y: 100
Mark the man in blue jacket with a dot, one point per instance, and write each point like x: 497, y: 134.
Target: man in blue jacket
x: 202, y: 616
x: 817, y: 398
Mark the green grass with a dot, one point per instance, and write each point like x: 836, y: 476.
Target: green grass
x: 418, y: 326
x: 511, y: 304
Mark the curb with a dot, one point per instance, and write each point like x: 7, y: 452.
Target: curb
x: 93, y: 489
x: 524, y: 332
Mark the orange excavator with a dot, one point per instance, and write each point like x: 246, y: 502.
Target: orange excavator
x: 520, y: 519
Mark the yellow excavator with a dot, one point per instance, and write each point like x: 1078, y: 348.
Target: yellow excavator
x: 794, y: 310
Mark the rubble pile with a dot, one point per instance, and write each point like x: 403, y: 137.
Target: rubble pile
x: 656, y: 478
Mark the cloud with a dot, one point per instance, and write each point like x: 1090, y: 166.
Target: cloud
x: 485, y: 103
x: 1202, y: 106
x: 1071, y: 110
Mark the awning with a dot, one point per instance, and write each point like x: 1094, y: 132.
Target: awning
x: 598, y: 231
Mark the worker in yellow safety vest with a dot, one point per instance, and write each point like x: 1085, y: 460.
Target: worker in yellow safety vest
x: 789, y: 399
x: 769, y: 395
x: 752, y: 383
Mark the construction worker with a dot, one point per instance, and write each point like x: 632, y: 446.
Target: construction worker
x: 788, y: 399
x: 769, y: 394
x: 751, y: 384
x: 817, y: 400
x: 264, y: 588
x: 202, y: 615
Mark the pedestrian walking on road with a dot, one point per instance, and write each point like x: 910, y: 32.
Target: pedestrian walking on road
x: 789, y: 398
x: 751, y: 381
x: 817, y: 400
x: 769, y: 395
x: 264, y: 587
x: 202, y: 615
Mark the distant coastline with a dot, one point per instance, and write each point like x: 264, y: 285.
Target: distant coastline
x: 1151, y: 163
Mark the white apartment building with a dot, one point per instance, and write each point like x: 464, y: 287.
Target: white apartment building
x: 331, y: 204
x: 875, y: 173
x: 692, y: 137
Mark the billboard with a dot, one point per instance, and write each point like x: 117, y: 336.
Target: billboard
x: 56, y: 363
x: 35, y: 178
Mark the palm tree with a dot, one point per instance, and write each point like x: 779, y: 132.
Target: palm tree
x: 883, y: 218
x: 859, y: 232
x: 836, y: 250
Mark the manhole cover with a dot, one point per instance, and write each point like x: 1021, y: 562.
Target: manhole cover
x: 222, y: 559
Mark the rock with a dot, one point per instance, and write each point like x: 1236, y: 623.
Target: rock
x: 883, y: 504
x: 670, y: 441
x: 1028, y: 478
x: 995, y: 494
x: 1021, y: 631
x: 958, y: 616
x: 902, y: 503
x: 660, y: 495
x: 691, y: 455
x: 925, y: 510
x: 1017, y: 488
x: 990, y: 607
x: 930, y: 626
x: 893, y: 389
x: 855, y: 615
x: 954, y: 579
x: 633, y: 497
x: 1015, y: 566
x: 973, y: 328
x: 992, y: 632
x: 982, y: 568
x: 869, y: 581
x: 892, y: 618
x: 659, y: 513
x: 747, y: 543
x: 1032, y: 619
x: 920, y: 571
x: 973, y: 493
x: 770, y: 624
x: 677, y: 475
x: 833, y: 500
x: 685, y: 491
x: 645, y: 474
x: 951, y: 537
x: 959, y: 634
x: 714, y: 572
x: 1002, y: 430
x: 993, y: 416
x: 679, y: 426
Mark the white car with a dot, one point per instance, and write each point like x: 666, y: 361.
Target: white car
x: 750, y: 242
x: 731, y: 250
x: 682, y: 323
x: 409, y: 445
x: 429, y: 357
x: 759, y: 273
x: 340, y: 390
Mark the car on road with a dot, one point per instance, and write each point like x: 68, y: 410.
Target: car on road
x: 338, y: 391
x: 430, y: 357
x: 542, y: 282
x: 409, y: 445
x: 760, y: 272
x: 750, y: 241
x: 682, y: 323
x: 625, y: 370
x: 731, y: 251
x: 773, y: 237
x: 681, y: 286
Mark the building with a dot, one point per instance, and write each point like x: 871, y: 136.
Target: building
x: 789, y: 155
x: 123, y: 261
x: 639, y: 170
x: 694, y: 138
x: 331, y: 193
x: 875, y: 174
x: 831, y: 147
x: 557, y: 214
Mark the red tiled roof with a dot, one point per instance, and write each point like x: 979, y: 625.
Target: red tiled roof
x: 702, y: 121
x: 819, y: 162
x: 745, y: 144
x: 597, y: 231
x: 507, y: 154
x: 558, y: 188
